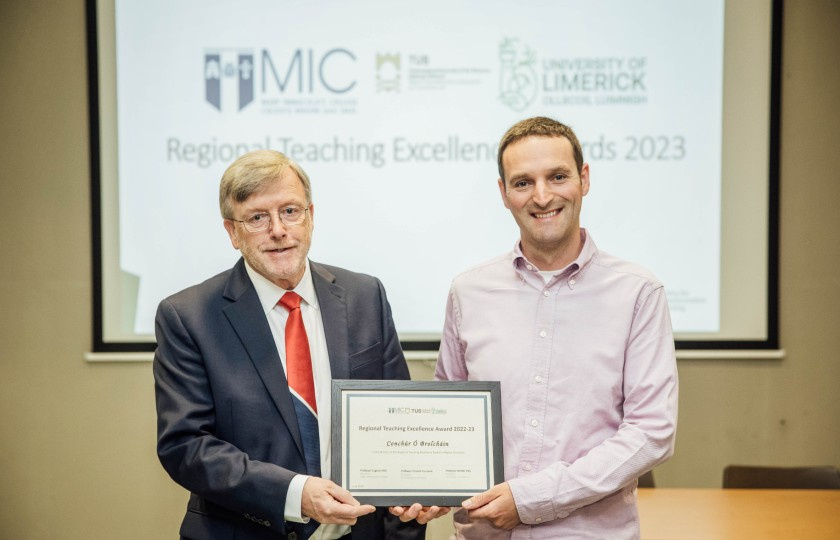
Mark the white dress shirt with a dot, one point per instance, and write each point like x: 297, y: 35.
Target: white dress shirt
x: 269, y: 295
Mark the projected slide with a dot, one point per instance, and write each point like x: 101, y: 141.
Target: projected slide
x: 395, y: 111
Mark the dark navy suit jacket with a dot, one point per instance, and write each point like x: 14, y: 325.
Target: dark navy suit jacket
x: 227, y: 429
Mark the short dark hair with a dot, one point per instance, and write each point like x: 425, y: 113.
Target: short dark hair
x: 539, y: 126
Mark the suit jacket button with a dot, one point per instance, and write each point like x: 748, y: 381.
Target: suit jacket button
x: 292, y: 536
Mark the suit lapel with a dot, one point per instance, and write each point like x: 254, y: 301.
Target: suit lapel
x: 248, y: 320
x: 333, y: 303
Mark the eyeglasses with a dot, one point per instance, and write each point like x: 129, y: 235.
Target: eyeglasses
x: 261, y: 221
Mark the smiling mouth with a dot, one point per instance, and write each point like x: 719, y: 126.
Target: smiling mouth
x: 546, y: 215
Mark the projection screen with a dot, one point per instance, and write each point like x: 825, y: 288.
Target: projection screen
x: 395, y: 112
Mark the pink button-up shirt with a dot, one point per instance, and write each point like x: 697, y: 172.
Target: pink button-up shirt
x: 589, y: 386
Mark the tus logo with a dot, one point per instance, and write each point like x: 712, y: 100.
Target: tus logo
x: 229, y: 75
x: 387, y: 72
x: 517, y: 75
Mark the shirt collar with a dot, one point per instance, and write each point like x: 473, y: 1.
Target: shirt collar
x: 587, y: 252
x: 269, y: 293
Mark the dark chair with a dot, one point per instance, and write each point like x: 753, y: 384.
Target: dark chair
x: 749, y: 477
x: 646, y: 480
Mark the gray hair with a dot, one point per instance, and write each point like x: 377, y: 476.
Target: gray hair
x: 252, y: 172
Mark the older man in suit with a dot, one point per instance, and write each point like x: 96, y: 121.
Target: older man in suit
x: 244, y: 366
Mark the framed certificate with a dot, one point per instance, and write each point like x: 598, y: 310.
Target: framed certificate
x: 401, y: 442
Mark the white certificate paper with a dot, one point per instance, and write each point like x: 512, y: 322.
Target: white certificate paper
x: 402, y: 442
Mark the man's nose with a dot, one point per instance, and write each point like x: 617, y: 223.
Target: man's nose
x: 276, y: 228
x: 542, y: 193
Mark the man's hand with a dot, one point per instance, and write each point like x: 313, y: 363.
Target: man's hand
x: 496, y: 505
x: 326, y: 502
x: 423, y: 514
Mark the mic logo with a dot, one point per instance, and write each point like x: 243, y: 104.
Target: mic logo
x: 229, y: 75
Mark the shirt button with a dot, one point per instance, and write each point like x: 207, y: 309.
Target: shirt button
x: 527, y: 466
x: 542, y: 333
x: 572, y: 282
x: 529, y: 267
x: 538, y: 378
x: 534, y: 423
x: 545, y: 293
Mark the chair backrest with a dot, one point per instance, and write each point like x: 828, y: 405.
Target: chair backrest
x: 646, y: 480
x: 749, y: 477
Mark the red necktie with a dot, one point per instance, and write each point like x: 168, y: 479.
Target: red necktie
x: 302, y: 386
x: 298, y: 360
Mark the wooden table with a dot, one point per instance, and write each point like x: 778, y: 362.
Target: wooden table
x: 742, y: 514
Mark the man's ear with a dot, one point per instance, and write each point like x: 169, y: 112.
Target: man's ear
x: 503, y: 191
x: 584, y: 179
x: 230, y: 227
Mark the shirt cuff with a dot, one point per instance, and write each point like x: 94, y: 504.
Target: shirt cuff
x: 532, y: 496
x: 293, y: 512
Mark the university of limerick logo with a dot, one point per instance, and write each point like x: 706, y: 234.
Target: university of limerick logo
x: 517, y: 75
x: 229, y: 78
